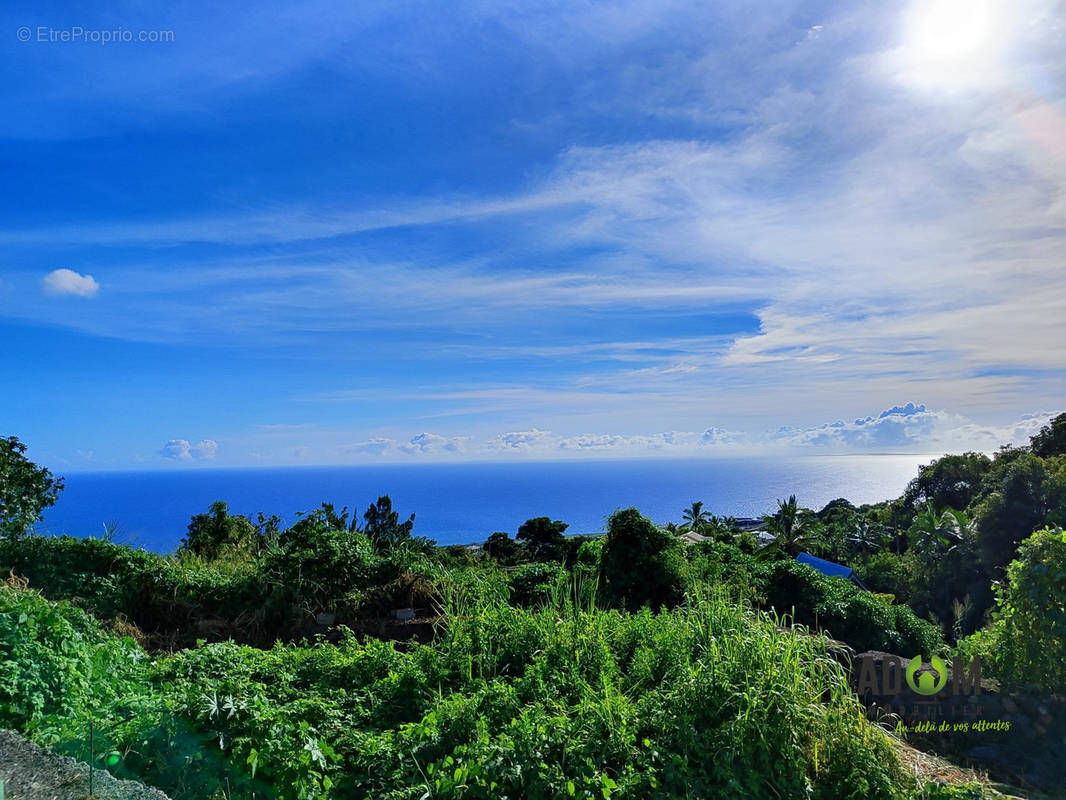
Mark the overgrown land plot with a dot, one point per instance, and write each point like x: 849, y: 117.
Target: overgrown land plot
x: 687, y: 661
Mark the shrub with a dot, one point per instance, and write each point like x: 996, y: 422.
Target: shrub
x: 55, y: 661
x: 534, y: 584
x: 886, y: 572
x: 640, y: 565
x: 106, y: 578
x: 317, y: 565
x: 844, y: 611
x: 219, y: 533
x: 1026, y: 642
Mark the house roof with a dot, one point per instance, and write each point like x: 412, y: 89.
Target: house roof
x: 830, y: 568
x: 691, y: 537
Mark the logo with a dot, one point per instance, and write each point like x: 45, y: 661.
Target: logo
x: 887, y: 676
x: 929, y: 681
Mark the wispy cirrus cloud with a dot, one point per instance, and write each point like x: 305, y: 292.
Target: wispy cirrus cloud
x: 694, y: 217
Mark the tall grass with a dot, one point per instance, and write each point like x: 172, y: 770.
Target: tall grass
x: 565, y: 700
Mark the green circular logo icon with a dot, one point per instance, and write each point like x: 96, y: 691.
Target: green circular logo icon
x: 928, y: 682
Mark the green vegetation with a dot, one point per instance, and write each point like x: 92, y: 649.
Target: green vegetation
x: 25, y: 489
x: 1026, y: 642
x: 559, y: 701
x: 266, y: 660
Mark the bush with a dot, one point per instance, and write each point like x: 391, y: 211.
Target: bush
x: 56, y: 662
x: 722, y: 564
x: 219, y: 533
x: 641, y: 565
x: 108, y: 579
x: 317, y: 565
x: 534, y: 584
x: 845, y: 611
x: 1026, y: 642
x: 887, y: 573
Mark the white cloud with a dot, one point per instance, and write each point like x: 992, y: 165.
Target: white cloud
x: 430, y: 443
x: 519, y: 440
x: 182, y: 450
x: 912, y: 427
x: 67, y: 281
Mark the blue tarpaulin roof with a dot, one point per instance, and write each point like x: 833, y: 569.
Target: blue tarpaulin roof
x: 829, y: 567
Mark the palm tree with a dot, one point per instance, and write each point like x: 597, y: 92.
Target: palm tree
x: 695, y: 517
x: 868, y: 537
x: 791, y: 527
x: 934, y: 535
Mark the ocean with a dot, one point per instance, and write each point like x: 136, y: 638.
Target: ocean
x: 465, y: 503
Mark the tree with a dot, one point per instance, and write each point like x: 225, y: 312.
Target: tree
x: 25, y: 489
x: 1027, y: 493
x: 382, y: 525
x: 1051, y: 441
x: 501, y: 547
x: 544, y: 537
x: 695, y: 517
x: 835, y: 508
x: 1026, y: 643
x: 933, y: 535
x: 868, y: 536
x: 218, y: 533
x: 640, y: 564
x: 792, y: 527
x: 949, y: 482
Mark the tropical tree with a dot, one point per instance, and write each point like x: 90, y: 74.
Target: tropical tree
x: 544, y: 537
x: 502, y: 547
x: 640, y: 564
x: 382, y: 525
x: 949, y: 482
x: 1025, y: 493
x: 934, y: 535
x: 695, y: 517
x: 25, y: 489
x: 1051, y: 441
x: 868, y: 537
x: 219, y: 533
x: 792, y: 527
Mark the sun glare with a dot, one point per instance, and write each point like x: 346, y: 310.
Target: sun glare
x: 951, y: 43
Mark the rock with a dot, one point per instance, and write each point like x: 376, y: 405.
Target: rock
x: 30, y: 772
x: 404, y: 613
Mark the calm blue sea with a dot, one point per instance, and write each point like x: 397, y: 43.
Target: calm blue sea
x: 461, y: 503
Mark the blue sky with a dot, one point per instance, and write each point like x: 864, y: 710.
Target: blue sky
x: 343, y: 232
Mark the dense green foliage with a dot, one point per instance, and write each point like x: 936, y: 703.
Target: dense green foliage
x: 543, y: 538
x: 25, y: 489
x: 555, y: 702
x: 219, y: 533
x: 1026, y: 643
x: 640, y: 564
x: 550, y: 666
x: 1051, y: 440
x: 949, y: 482
x: 844, y: 611
x: 56, y: 662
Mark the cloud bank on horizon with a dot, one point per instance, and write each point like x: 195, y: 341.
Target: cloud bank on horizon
x: 907, y: 428
x: 336, y: 234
